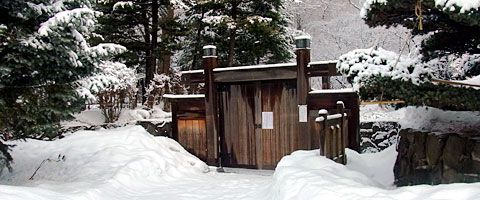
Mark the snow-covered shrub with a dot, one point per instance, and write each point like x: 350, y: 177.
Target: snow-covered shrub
x: 375, y: 76
x: 113, y: 88
x: 162, y: 84
x: 361, y: 65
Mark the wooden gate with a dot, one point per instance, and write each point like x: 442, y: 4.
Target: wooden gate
x: 245, y: 140
x: 193, y: 136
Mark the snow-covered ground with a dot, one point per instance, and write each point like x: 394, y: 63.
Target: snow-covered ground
x: 128, y: 163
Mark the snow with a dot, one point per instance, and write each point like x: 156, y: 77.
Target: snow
x: 122, y: 5
x: 93, y: 117
x: 113, y: 76
x: 128, y: 163
x: 332, y: 91
x: 192, y: 71
x: 187, y: 96
x: 307, y: 175
x: 362, y: 64
x: 105, y: 164
x: 473, y: 80
x: 446, y: 5
x: 334, y: 116
x: 424, y: 118
x: 323, y: 62
x: 464, y: 5
x: 303, y: 37
x: 254, y: 67
x: 367, y: 4
x: 209, y: 47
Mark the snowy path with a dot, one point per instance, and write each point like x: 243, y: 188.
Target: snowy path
x: 241, y: 184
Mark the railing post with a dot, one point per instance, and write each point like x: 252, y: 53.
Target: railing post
x: 326, y: 82
x: 341, y: 110
x: 210, y: 62
x: 303, y: 85
x: 323, y: 131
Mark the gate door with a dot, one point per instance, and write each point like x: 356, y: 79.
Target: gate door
x: 259, y: 123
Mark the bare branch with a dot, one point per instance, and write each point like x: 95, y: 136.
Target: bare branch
x: 354, y: 5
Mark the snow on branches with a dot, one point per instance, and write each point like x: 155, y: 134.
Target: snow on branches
x: 464, y: 5
x: 461, y: 6
x: 112, y: 76
x: 362, y: 64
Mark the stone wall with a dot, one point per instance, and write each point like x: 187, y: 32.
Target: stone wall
x: 434, y: 158
x: 157, y: 128
x: 377, y: 136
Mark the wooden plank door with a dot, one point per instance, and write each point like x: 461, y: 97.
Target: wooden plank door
x: 278, y: 97
x: 237, y: 131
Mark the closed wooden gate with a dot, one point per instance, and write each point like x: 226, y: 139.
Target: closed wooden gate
x: 193, y: 136
x: 245, y: 140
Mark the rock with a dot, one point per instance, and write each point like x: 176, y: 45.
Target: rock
x: 453, y: 151
x: 434, y: 149
x: 433, y: 158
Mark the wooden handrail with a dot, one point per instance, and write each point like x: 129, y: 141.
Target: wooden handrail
x: 453, y: 82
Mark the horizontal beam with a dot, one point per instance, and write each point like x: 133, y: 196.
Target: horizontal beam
x: 262, y: 72
x: 256, y: 74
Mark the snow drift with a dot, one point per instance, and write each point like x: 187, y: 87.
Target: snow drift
x: 98, y: 164
x: 307, y: 175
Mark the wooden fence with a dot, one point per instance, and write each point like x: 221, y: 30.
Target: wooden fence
x: 333, y: 130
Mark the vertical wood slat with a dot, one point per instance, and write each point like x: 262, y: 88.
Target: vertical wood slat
x: 258, y: 122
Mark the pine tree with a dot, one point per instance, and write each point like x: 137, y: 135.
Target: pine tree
x: 453, y: 27
x: 245, y: 32
x: 147, y: 28
x: 43, y: 52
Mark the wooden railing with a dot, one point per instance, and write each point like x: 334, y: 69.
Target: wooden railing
x: 333, y: 131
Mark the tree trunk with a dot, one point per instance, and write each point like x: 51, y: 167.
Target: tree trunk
x: 166, y: 57
x: 233, y: 35
x: 148, y: 54
x: 197, y: 46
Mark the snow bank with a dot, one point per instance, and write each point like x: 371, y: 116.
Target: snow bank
x: 97, y: 162
x: 424, y: 118
x: 307, y: 175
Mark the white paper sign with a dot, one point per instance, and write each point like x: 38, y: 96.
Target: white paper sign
x: 267, y: 120
x: 302, y: 113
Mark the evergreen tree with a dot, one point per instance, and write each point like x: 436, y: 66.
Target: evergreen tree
x: 245, y: 32
x: 147, y: 28
x: 43, y: 52
x: 453, y: 26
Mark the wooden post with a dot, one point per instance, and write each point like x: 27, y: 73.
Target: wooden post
x: 326, y: 82
x: 323, y: 132
x: 303, y: 86
x: 341, y: 110
x: 211, y: 104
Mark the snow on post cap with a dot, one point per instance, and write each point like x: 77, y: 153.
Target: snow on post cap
x: 322, y: 112
x: 340, y: 102
x: 209, y: 51
x: 302, y: 42
x: 303, y: 37
x: 209, y: 47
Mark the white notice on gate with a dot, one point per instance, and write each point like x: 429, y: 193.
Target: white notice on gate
x: 267, y: 120
x: 302, y: 113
